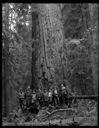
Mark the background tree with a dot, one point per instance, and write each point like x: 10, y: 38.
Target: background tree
x: 93, y: 39
x: 81, y: 58
x: 18, y: 58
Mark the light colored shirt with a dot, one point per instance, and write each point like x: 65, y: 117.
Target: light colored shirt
x: 34, y: 96
x: 63, y: 88
x: 50, y: 94
x: 55, y: 91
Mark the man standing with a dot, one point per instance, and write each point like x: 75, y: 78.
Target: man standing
x: 70, y: 101
x: 50, y: 96
x: 28, y: 96
x: 33, y: 99
x: 64, y: 94
x: 55, y: 96
x: 45, y: 97
x: 39, y: 97
x: 21, y: 99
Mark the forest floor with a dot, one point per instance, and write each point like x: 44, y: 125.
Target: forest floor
x: 82, y: 116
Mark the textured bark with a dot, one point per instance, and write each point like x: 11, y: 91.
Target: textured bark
x: 5, y: 84
x: 35, y: 48
x: 51, y: 41
x: 93, y: 38
x: 5, y: 92
x: 8, y: 94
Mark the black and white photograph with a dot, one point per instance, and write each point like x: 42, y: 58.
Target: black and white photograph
x: 50, y: 64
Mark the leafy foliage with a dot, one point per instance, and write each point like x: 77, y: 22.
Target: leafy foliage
x: 19, y: 50
x: 78, y: 47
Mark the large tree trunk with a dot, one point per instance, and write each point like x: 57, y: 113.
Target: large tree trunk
x: 47, y: 58
x: 93, y: 38
x: 51, y: 43
x: 34, y: 45
x: 8, y: 93
x: 5, y: 85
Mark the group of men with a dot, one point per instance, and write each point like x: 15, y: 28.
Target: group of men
x: 53, y: 96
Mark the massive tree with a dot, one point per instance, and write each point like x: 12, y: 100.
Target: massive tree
x: 49, y: 64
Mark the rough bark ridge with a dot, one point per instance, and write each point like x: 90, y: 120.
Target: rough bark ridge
x: 35, y: 47
x: 51, y: 42
x: 93, y: 38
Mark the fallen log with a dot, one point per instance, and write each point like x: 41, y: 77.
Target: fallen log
x: 92, y: 97
x: 59, y: 113
x: 61, y: 110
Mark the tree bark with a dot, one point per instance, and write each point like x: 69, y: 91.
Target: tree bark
x: 35, y: 47
x: 93, y: 38
x: 5, y: 86
x: 94, y: 41
x: 51, y: 42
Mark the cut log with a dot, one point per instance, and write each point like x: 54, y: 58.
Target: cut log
x: 92, y: 97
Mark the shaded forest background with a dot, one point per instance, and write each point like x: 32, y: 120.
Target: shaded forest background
x: 45, y: 45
